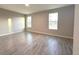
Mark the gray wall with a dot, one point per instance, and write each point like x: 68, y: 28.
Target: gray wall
x: 17, y: 22
x: 76, y: 31
x: 65, y: 23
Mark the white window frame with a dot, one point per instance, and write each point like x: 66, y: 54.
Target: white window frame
x: 29, y: 21
x: 53, y: 19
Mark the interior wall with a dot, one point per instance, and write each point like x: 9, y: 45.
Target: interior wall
x: 76, y: 31
x: 65, y: 22
x: 14, y: 25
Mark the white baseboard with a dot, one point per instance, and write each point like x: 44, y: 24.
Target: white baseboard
x: 39, y: 33
x: 51, y: 34
x: 10, y: 33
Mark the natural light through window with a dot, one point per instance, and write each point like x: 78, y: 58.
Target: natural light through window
x: 29, y: 19
x: 9, y: 24
x: 21, y: 22
x: 53, y: 20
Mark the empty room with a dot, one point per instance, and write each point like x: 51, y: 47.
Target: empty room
x: 38, y: 29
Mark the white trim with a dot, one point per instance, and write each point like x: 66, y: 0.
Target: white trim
x: 51, y: 34
x: 10, y: 33
x: 39, y: 33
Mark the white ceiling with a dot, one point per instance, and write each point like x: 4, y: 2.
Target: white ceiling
x: 32, y: 8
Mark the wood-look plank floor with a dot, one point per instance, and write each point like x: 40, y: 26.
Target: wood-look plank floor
x: 26, y: 43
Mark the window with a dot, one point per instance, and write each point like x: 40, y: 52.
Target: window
x: 10, y: 24
x: 29, y: 25
x: 53, y: 20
